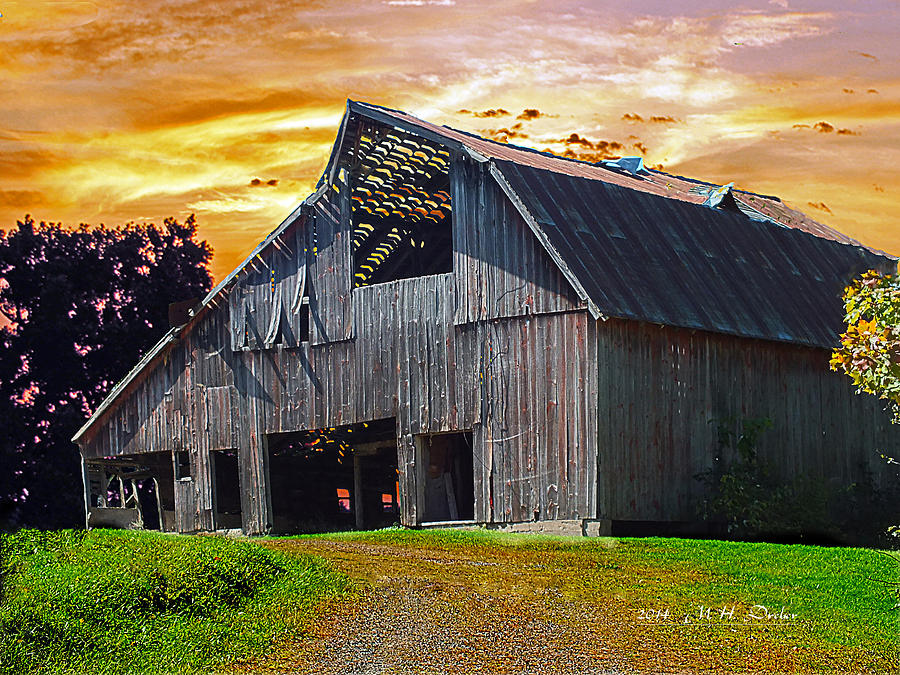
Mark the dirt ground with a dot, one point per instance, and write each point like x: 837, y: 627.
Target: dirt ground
x: 427, y: 610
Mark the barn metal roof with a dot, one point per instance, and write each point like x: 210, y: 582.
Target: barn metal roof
x: 641, y: 244
x: 642, y: 256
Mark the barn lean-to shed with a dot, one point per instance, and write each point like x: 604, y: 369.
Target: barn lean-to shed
x: 454, y: 329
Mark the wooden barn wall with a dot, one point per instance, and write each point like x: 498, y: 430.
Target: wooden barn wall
x: 663, y: 392
x: 259, y: 309
x: 388, y: 350
x: 535, y: 420
x: 501, y: 268
x: 407, y: 360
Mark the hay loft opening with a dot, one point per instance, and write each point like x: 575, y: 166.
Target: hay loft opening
x: 400, y: 193
x: 340, y: 478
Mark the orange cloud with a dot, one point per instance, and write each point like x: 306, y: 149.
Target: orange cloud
x: 821, y: 206
x: 530, y: 114
x: 20, y: 199
x: 138, y: 112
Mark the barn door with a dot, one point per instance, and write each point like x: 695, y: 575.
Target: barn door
x: 185, y: 506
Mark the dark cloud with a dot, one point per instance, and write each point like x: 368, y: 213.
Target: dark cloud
x: 863, y: 54
x: 846, y: 132
x: 871, y: 91
x: 575, y: 139
x: 663, y: 119
x: 847, y: 91
x: 878, y: 188
x: 823, y: 127
x: 821, y: 206
x: 586, y: 150
x: 491, y: 112
x: 640, y: 147
x: 530, y: 114
x: 632, y: 117
x: 505, y: 133
x: 257, y: 182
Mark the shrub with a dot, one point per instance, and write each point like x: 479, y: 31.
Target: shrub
x: 755, y: 504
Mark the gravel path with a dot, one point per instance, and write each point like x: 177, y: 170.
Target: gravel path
x: 436, y: 611
x: 433, y: 608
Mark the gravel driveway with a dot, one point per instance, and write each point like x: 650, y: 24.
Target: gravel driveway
x: 449, y: 612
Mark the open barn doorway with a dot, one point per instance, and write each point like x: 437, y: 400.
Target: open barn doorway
x: 339, y: 478
x: 130, y: 491
x: 227, y: 493
x: 446, y: 485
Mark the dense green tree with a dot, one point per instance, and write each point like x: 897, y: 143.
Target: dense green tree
x: 78, y: 306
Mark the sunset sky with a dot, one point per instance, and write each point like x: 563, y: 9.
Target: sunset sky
x: 119, y: 111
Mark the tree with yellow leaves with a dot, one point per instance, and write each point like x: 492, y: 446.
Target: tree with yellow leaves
x: 870, y: 347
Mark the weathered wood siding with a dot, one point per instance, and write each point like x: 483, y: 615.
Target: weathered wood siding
x: 330, y: 265
x: 520, y: 378
x: 501, y: 268
x: 535, y: 417
x: 663, y: 391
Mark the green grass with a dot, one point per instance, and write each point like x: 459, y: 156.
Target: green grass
x: 112, y: 601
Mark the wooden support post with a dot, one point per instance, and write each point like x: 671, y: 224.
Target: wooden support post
x: 357, y: 491
x: 86, y: 482
x: 421, y: 452
x: 162, y: 522
x: 451, y: 496
x: 137, y: 502
x: 269, y: 513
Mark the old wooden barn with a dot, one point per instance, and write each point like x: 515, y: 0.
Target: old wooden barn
x: 454, y: 329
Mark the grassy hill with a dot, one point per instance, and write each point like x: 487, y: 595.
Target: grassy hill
x: 109, y: 601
